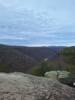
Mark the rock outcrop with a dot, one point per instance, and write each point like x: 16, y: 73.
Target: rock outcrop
x: 18, y: 86
x: 57, y: 74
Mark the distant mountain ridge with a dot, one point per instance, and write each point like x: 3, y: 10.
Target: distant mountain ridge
x: 22, y: 58
x: 39, y: 53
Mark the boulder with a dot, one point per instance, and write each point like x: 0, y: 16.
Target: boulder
x: 18, y: 86
x: 57, y: 74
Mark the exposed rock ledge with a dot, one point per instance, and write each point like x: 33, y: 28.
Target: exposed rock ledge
x: 18, y: 86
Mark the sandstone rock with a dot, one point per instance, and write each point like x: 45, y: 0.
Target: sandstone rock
x: 18, y: 86
x: 57, y: 74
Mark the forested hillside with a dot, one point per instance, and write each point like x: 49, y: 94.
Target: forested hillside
x: 68, y: 56
x: 25, y: 59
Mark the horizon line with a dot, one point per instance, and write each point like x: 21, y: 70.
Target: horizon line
x: 37, y: 45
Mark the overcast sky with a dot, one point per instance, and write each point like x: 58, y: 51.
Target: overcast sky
x: 37, y: 22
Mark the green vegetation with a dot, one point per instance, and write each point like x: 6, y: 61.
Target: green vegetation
x: 4, y: 68
x: 46, y: 66
x: 68, y: 55
x: 40, y: 70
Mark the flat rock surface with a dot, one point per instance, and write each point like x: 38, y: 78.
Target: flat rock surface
x: 18, y: 86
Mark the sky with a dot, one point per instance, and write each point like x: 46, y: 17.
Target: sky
x: 37, y: 22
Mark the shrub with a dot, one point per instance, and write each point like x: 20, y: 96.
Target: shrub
x: 40, y: 71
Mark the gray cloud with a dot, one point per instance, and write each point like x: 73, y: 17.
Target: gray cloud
x: 35, y: 22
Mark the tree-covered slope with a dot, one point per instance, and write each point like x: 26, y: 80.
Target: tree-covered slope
x: 68, y: 56
x: 13, y: 60
x: 25, y: 59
